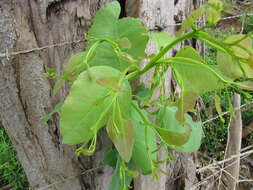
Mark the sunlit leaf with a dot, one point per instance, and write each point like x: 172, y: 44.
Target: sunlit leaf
x: 127, y: 31
x: 232, y: 66
x: 88, y: 105
x: 191, y: 19
x: 196, y: 76
x: 162, y: 39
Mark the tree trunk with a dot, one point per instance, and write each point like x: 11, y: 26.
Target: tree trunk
x: 25, y: 95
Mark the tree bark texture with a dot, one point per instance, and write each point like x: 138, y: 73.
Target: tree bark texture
x: 25, y: 94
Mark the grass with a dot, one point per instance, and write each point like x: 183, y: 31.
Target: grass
x: 11, y: 173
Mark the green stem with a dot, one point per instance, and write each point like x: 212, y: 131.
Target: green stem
x: 153, y: 61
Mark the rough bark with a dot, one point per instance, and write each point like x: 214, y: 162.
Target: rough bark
x: 25, y: 95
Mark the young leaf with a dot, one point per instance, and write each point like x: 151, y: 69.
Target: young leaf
x: 88, y: 104
x: 57, y: 86
x: 191, y: 19
x: 145, y: 142
x: 50, y: 114
x: 107, y: 25
x: 162, y: 39
x: 74, y: 66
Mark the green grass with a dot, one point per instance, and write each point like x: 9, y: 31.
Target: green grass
x: 11, y: 172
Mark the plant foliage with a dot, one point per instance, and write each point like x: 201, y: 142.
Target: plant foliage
x: 101, y: 95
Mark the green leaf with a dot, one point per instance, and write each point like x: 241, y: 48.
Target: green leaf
x: 191, y: 19
x: 50, y: 114
x: 74, y: 66
x: 181, y: 137
x: 172, y: 132
x: 120, y: 179
x: 109, y: 83
x: 247, y: 85
x: 218, y: 106
x: 194, y: 75
x: 185, y: 103
x: 107, y: 25
x: 212, y: 15
x: 124, y: 43
x: 233, y: 67
x: 88, y: 105
x: 162, y: 39
x: 144, y: 144
x: 57, y: 86
x: 110, y: 157
x: 120, y: 130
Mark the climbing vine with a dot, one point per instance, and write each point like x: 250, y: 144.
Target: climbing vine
x: 101, y: 95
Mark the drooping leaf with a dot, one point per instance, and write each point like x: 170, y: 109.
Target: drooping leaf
x: 185, y: 103
x: 233, y: 67
x: 107, y: 25
x: 87, y: 106
x: 246, y: 85
x: 182, y: 137
x: 194, y: 75
x: 120, y: 132
x: 218, y: 106
x: 144, y: 144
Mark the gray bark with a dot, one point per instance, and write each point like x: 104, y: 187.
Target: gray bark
x: 25, y: 95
